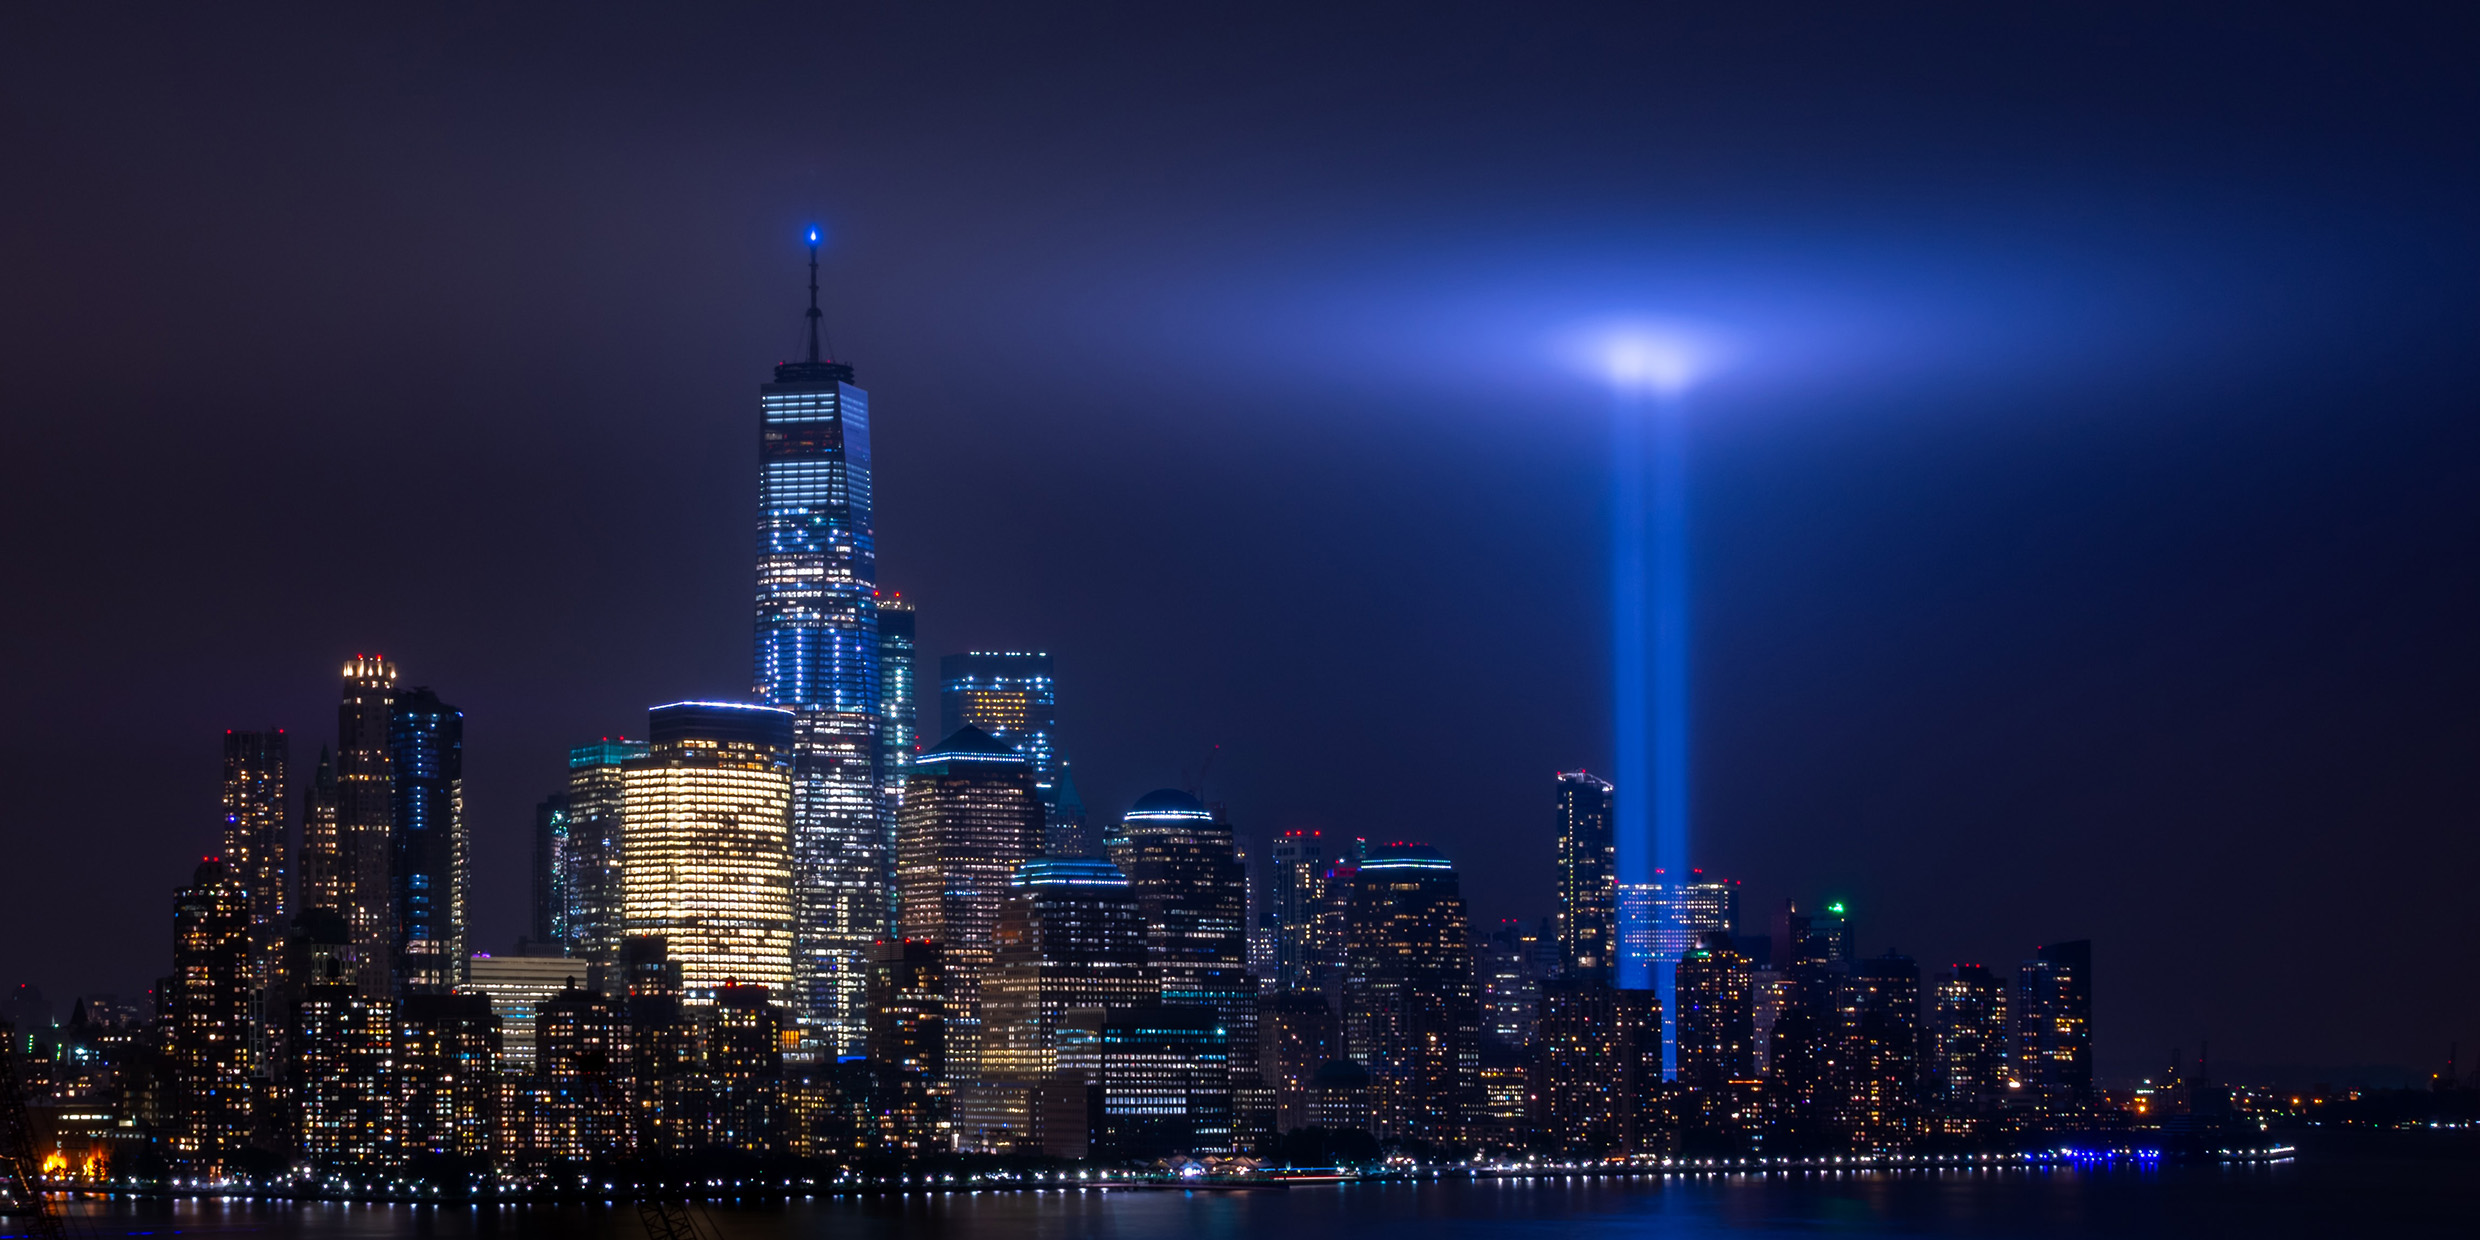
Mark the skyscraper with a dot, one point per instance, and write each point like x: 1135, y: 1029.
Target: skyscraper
x: 1186, y: 873
x: 1968, y: 1050
x: 969, y: 819
x: 345, y: 1084
x: 1716, y: 1027
x: 254, y: 835
x: 323, y: 878
x: 447, y: 1055
x: 366, y: 819
x: 545, y: 921
x: 1012, y: 695
x: 706, y: 861
x: 1299, y: 889
x: 207, y: 1006
x: 1664, y: 919
x: 899, y: 689
x: 1598, y: 1072
x: 2053, y: 1023
x: 430, y: 871
x: 1410, y: 1014
x: 584, y: 1069
x: 1880, y: 1094
x: 1588, y: 878
x: 591, y: 924
x: 1070, y: 936
x: 1670, y: 919
x: 1510, y: 988
x: 817, y: 655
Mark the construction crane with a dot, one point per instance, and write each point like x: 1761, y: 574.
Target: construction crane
x: 21, y: 1172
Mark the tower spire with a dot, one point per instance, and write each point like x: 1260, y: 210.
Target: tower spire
x: 813, y: 295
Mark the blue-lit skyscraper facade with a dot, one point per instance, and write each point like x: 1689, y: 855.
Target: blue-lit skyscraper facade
x: 432, y: 868
x: 1012, y: 695
x: 899, y: 732
x: 817, y: 654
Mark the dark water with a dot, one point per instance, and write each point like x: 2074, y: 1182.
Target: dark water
x: 2313, y: 1196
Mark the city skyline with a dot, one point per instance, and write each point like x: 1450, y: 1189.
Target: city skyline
x: 2082, y: 539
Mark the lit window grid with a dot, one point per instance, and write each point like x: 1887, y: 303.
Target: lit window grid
x: 707, y: 865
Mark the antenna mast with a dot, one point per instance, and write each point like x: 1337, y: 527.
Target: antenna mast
x: 813, y: 296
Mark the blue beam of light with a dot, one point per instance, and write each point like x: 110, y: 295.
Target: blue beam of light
x: 1649, y: 668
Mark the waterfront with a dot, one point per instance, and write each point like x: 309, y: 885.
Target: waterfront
x: 2319, y: 1195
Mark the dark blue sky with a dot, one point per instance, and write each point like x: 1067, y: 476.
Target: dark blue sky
x: 2085, y: 526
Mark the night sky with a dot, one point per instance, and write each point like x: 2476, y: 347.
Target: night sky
x: 2087, y: 527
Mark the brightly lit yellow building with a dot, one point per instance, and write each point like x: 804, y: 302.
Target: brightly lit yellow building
x: 706, y: 858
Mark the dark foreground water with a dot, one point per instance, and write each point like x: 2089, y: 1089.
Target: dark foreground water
x: 2313, y: 1196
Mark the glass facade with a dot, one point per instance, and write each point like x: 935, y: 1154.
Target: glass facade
x: 899, y: 728
x: 1182, y: 864
x: 706, y: 855
x: 1070, y: 936
x: 430, y: 870
x: 1410, y: 1014
x: 969, y: 820
x: 589, y: 913
x: 1588, y: 877
x: 817, y: 654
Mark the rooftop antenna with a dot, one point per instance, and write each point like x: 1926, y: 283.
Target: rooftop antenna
x: 813, y: 294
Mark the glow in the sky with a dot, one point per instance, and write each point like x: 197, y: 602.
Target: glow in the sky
x: 1663, y: 359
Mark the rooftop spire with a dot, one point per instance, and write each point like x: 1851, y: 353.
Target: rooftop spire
x: 813, y: 295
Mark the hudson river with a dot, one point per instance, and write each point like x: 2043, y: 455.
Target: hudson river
x: 2337, y: 1195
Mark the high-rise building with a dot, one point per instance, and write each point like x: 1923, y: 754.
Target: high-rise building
x: 591, y: 920
x: 1969, y: 1048
x: 674, y: 1097
x: 1509, y: 971
x: 430, y: 867
x: 1186, y: 873
x: 969, y: 820
x: 207, y: 1034
x: 1661, y: 921
x: 2053, y: 1027
x: 1066, y: 831
x: 1597, y: 1077
x: 1588, y: 878
x: 1296, y: 884
x: 1070, y: 936
x: 366, y: 818
x: 817, y: 655
x: 745, y: 1068
x: 255, y: 837
x: 1667, y: 919
x: 344, y: 1078
x: 1012, y: 695
x: 545, y: 921
x: 447, y: 1075
x: 1821, y: 937
x: 1716, y: 1026
x: 1879, y: 1097
x: 706, y: 861
x: 1155, y: 1079
x: 585, y: 1079
x: 1410, y: 1014
x: 1007, y: 693
x: 899, y: 690
x: 1296, y: 1035
x: 323, y: 879
x: 908, y: 1007
x: 515, y: 986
